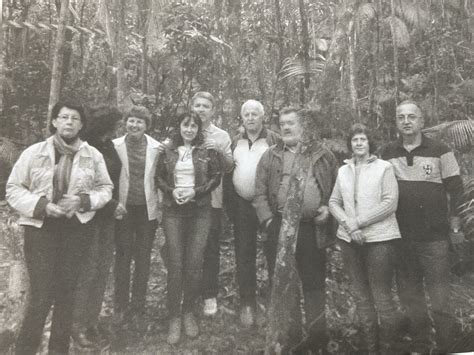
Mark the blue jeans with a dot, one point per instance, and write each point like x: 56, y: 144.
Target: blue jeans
x: 371, y: 268
x: 186, y: 230
x: 428, y: 262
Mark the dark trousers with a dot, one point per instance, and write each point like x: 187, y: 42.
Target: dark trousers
x: 186, y: 230
x: 210, y: 272
x: 371, y: 268
x: 311, y: 266
x: 134, y: 240
x: 53, y: 254
x: 245, y: 239
x: 428, y: 262
x: 93, y: 277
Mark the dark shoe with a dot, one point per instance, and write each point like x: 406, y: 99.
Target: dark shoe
x: 174, y: 331
x: 247, y: 316
x: 190, y: 326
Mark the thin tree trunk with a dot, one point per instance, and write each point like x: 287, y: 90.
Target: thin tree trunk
x: 120, y: 51
x: 396, y: 73
x: 305, y: 52
x: 58, y: 58
x: 2, y: 58
x: 352, y: 73
x: 281, y: 53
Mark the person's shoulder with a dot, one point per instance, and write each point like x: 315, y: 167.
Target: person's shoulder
x: 118, y: 140
x: 219, y: 131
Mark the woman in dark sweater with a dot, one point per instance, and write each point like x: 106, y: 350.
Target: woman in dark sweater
x: 186, y: 174
x: 93, y: 277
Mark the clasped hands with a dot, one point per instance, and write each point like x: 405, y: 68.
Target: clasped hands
x: 183, y: 195
x: 352, y: 227
x: 65, y: 207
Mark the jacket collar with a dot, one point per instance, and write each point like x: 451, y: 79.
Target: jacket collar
x: 351, y: 161
x: 263, y: 134
x: 149, y: 140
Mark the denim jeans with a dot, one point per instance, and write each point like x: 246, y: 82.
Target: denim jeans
x: 93, y: 276
x: 53, y: 254
x: 311, y: 266
x: 371, y: 268
x: 186, y: 230
x: 210, y: 273
x: 428, y: 262
x: 245, y: 239
x: 133, y: 239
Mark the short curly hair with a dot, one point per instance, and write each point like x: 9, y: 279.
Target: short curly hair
x: 140, y: 112
x: 359, y: 128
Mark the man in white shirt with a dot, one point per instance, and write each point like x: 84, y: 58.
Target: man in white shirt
x: 247, y: 148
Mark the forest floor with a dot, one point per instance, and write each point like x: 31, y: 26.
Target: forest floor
x: 222, y: 333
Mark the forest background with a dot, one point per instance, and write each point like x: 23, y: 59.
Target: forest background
x: 344, y: 61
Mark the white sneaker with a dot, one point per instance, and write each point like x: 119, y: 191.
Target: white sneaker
x: 210, y: 306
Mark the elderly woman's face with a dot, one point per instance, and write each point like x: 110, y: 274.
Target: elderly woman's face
x: 360, y: 145
x: 135, y: 126
x: 68, y: 123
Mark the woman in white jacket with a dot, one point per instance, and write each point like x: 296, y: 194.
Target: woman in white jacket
x: 56, y: 186
x: 364, y: 201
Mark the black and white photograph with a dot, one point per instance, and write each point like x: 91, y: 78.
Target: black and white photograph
x: 242, y: 177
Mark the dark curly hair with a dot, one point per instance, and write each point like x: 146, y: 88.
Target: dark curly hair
x: 102, y: 119
x: 187, y: 116
x: 359, y: 128
x: 72, y: 106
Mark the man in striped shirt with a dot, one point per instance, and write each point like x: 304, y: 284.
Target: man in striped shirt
x: 427, y: 172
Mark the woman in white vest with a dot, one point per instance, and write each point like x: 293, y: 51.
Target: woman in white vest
x: 364, y: 201
x: 137, y: 213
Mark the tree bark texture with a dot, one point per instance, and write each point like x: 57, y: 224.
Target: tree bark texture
x: 286, y: 282
x: 2, y: 58
x: 58, y: 58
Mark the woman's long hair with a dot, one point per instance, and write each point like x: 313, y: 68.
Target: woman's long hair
x: 359, y: 128
x: 177, y: 139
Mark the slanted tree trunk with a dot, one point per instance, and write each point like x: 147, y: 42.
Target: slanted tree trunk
x: 285, y: 286
x: 58, y: 58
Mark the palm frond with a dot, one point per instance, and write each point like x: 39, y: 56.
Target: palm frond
x: 460, y: 132
x: 365, y: 13
x: 295, y: 66
x: 399, y: 31
x: 413, y: 12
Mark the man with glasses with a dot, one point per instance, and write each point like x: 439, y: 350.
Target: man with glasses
x: 427, y: 172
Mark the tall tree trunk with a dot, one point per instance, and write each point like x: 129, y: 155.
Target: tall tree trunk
x: 120, y: 52
x: 352, y: 73
x: 396, y: 73
x: 285, y: 283
x: 58, y: 58
x: 281, y: 54
x: 2, y: 58
x: 305, y: 49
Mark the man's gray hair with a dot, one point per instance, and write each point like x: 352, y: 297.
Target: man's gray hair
x: 256, y: 103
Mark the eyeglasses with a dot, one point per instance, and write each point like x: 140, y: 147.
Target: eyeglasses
x: 410, y: 117
x: 66, y: 117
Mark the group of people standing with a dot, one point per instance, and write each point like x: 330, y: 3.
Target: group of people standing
x: 83, y: 196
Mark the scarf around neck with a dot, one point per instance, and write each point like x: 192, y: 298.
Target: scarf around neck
x: 62, y: 171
